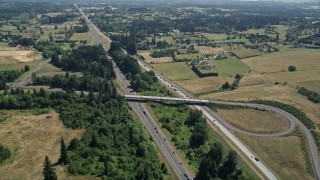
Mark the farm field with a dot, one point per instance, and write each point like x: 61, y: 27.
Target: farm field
x: 282, y: 31
x: 208, y: 50
x: 30, y: 138
x: 169, y: 39
x: 82, y: 37
x: 253, y: 79
x: 204, y: 85
x: 149, y: 59
x: 182, y: 74
x: 214, y: 36
x: 254, y: 120
x: 303, y: 59
x: 176, y: 71
x: 243, y: 52
x: 284, y: 155
x: 230, y: 67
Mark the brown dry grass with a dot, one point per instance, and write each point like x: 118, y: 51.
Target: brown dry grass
x: 303, y: 59
x: 283, y: 154
x: 208, y: 50
x: 253, y: 79
x: 254, y: 120
x: 281, y: 93
x: 31, y: 138
x: 19, y: 55
x: 203, y: 85
x: 149, y: 59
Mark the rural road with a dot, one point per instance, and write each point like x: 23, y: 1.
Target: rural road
x: 23, y: 82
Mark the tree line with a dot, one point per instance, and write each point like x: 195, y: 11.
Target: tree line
x: 10, y: 76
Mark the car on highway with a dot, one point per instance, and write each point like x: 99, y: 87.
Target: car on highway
x: 144, y: 112
x: 257, y: 159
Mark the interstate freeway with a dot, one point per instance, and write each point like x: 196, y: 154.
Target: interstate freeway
x: 212, y: 116
x: 141, y: 111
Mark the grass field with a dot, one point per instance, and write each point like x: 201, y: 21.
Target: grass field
x: 284, y: 155
x: 49, y: 70
x: 30, y: 138
x: 208, y: 50
x: 3, y: 45
x: 312, y: 85
x: 204, y: 85
x: 216, y: 37
x: 149, y: 59
x: 303, y: 59
x: 243, y: 52
x: 176, y: 71
x: 253, y: 79
x: 230, y: 67
x: 82, y: 36
x: 254, y: 120
x: 282, y: 30
x: 169, y: 39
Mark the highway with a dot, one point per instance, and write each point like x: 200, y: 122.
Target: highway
x: 158, y: 137
x: 287, y: 130
x: 216, y: 119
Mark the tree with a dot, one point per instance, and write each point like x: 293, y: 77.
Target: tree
x: 292, y: 68
x: 26, y: 68
x: 5, y: 153
x: 48, y: 171
x: 229, y: 166
x: 226, y: 86
x: 200, y: 134
x: 209, y: 166
x: 63, y: 153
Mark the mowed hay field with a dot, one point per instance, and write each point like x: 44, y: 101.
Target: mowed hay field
x: 216, y: 37
x: 283, y: 155
x: 149, y: 59
x: 303, y: 59
x: 82, y: 37
x: 208, y: 50
x: 181, y: 73
x: 254, y: 120
x: 30, y: 138
x: 271, y: 68
x: 242, y: 52
x: 204, y: 85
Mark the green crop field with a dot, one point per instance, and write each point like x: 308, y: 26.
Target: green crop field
x: 230, y: 67
x: 176, y: 71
